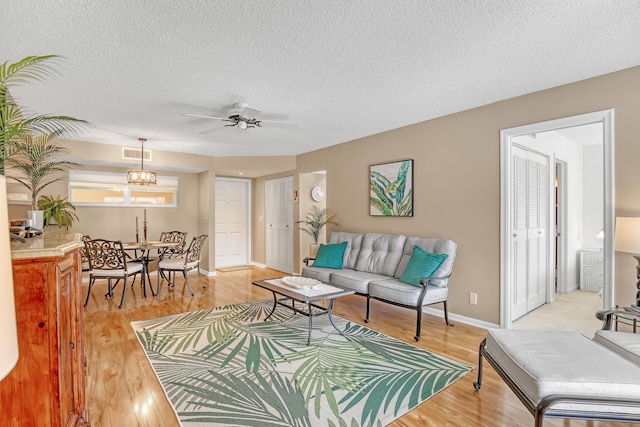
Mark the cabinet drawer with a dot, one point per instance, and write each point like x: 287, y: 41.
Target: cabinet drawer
x: 592, y: 259
x: 592, y: 272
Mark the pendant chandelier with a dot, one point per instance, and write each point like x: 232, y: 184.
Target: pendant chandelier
x: 141, y: 177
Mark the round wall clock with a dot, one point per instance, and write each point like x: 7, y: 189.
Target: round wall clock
x: 317, y: 193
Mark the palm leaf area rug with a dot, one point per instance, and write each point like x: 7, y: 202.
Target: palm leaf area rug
x: 226, y: 366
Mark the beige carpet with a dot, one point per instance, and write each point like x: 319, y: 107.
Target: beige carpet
x: 571, y: 312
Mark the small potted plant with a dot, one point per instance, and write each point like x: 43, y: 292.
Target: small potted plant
x: 314, y: 222
x: 60, y: 210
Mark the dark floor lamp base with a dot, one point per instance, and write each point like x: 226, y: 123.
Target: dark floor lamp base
x: 637, y: 257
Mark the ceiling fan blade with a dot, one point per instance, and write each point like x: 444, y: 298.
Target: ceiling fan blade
x: 205, y: 117
x: 284, y: 125
x: 243, y: 109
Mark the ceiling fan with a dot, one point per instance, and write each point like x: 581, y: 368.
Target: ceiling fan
x: 244, y: 117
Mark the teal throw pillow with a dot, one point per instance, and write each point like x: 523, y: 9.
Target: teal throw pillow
x: 421, y: 265
x: 330, y: 256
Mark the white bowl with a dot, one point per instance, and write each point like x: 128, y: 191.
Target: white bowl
x: 301, y: 282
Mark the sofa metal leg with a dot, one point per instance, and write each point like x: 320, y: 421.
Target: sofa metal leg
x: 366, y: 319
x: 418, y: 323
x: 446, y: 315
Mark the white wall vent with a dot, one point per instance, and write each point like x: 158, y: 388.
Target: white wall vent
x: 129, y: 153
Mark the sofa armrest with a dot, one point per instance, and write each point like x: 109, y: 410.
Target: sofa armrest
x: 306, y: 261
x: 424, y: 282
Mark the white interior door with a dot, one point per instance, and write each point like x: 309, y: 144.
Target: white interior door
x: 279, y: 223
x: 529, y: 222
x: 232, y: 222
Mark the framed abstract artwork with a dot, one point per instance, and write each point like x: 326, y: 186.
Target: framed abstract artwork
x: 391, y: 189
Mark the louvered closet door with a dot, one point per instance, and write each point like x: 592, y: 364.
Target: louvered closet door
x: 529, y: 223
x: 279, y: 224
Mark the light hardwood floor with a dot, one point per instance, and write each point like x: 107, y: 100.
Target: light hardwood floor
x: 123, y: 391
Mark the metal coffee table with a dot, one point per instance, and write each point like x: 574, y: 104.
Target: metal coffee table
x: 309, y: 298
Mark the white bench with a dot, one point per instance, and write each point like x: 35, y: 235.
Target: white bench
x: 565, y: 374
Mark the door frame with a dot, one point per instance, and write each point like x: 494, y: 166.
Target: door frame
x: 606, y: 118
x: 560, y: 171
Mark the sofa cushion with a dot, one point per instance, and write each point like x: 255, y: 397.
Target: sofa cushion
x: 354, y: 241
x: 380, y: 253
x: 421, y: 265
x: 435, y: 246
x: 401, y: 293
x: 355, y: 280
x: 626, y: 344
x: 321, y: 274
x: 544, y: 363
x: 330, y: 256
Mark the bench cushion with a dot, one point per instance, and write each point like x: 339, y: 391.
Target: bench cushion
x: 544, y: 363
x: 626, y: 344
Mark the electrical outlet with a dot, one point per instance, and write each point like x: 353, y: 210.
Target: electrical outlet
x: 473, y: 298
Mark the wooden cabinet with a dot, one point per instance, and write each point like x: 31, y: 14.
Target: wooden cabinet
x: 46, y: 388
x: 591, y: 270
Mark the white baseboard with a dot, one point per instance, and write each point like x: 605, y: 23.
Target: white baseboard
x: 255, y: 264
x: 461, y: 319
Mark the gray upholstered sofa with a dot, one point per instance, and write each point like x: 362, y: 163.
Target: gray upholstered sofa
x: 567, y: 375
x: 373, y: 263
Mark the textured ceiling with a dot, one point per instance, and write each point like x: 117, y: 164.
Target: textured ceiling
x: 340, y: 69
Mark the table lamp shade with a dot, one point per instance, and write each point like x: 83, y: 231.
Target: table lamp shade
x: 628, y: 235
x: 8, y: 332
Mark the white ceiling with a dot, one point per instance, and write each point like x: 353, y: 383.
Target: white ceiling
x: 340, y: 69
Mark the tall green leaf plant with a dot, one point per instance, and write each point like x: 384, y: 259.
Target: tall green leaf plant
x: 14, y: 121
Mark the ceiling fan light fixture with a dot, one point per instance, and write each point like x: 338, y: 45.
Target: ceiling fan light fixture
x: 142, y: 177
x: 242, y: 125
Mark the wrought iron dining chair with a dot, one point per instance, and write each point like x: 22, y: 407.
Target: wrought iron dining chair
x: 84, y: 254
x: 178, y: 237
x: 107, y: 260
x: 189, y: 261
x: 173, y: 237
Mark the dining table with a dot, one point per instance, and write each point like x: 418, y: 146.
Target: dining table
x: 145, y: 249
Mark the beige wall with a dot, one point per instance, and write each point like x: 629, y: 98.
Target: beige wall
x: 457, y: 177
x: 456, y: 183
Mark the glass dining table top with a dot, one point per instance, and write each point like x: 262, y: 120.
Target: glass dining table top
x: 149, y: 244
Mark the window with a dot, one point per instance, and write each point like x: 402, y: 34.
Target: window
x: 88, y: 188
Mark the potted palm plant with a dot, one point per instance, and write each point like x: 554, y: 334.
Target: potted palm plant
x: 17, y: 128
x: 36, y: 162
x: 314, y: 222
x: 14, y: 121
x: 59, y: 209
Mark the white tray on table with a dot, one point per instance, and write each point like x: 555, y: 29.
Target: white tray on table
x: 300, y: 282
